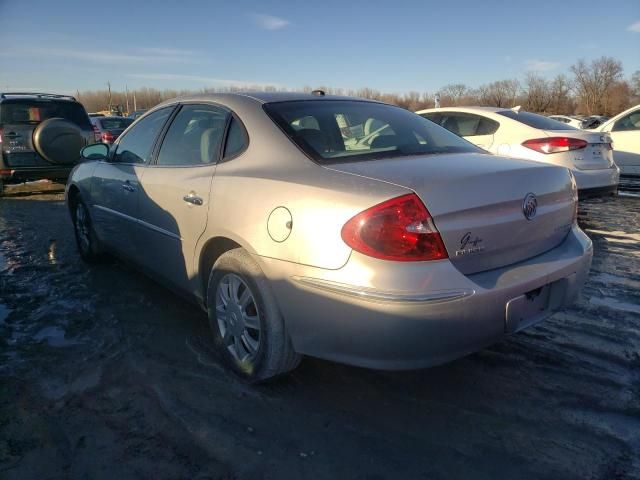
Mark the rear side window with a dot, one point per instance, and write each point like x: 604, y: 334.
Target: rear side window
x: 35, y: 111
x: 194, y: 137
x: 331, y: 131
x: 137, y: 145
x: 536, y: 121
x: 236, y: 139
x: 465, y: 124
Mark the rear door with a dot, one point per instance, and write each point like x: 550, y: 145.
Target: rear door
x: 116, y: 182
x: 175, y: 191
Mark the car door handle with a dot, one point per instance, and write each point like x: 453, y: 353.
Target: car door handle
x: 193, y: 199
x: 128, y: 187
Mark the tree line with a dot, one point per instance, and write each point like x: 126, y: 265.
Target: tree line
x: 591, y: 88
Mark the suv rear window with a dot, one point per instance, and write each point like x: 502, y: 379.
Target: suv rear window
x: 536, y: 121
x: 115, y: 123
x: 36, y: 111
x: 331, y: 131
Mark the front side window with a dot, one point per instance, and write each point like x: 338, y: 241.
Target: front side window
x: 628, y: 122
x: 137, y: 145
x: 194, y: 137
x: 345, y: 130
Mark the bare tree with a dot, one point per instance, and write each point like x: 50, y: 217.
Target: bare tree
x: 593, y: 83
x: 537, y: 92
x: 502, y: 93
x: 453, y: 94
x: 560, y: 96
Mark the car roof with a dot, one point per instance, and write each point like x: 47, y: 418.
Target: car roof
x: 266, y: 97
x: 35, y: 95
x: 464, y: 109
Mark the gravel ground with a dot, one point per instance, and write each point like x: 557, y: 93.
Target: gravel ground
x: 104, y: 374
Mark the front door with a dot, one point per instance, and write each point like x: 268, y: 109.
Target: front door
x: 626, y: 143
x: 175, y: 192
x: 116, y: 182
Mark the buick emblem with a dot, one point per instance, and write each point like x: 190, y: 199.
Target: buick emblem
x: 530, y: 206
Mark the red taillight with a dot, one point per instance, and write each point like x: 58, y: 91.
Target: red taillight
x: 108, y: 137
x: 554, y: 144
x: 96, y: 133
x: 1, y: 132
x: 399, y: 229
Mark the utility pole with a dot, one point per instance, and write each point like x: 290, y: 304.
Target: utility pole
x: 126, y: 96
x: 135, y: 106
x: 109, y: 87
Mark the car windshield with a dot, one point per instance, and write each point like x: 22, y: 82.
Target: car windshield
x: 536, y: 121
x: 34, y: 112
x: 115, y: 123
x: 333, y: 131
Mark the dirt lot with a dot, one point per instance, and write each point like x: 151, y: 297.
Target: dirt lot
x: 106, y: 375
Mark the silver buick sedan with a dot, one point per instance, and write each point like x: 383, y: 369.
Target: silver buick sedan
x: 335, y: 227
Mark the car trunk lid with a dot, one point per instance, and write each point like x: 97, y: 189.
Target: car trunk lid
x: 478, y: 203
x: 597, y: 154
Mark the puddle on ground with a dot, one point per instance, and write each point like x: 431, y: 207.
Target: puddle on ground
x: 54, y: 336
x: 4, y: 313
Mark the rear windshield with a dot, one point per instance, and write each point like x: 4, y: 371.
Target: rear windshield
x: 346, y: 130
x: 536, y: 121
x: 34, y: 112
x: 115, y: 123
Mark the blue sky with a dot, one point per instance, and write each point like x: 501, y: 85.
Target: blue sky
x: 393, y: 46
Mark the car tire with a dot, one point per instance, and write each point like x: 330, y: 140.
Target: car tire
x: 88, y: 244
x: 249, y: 333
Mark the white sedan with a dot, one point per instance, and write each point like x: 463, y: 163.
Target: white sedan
x: 521, y: 134
x: 625, y: 132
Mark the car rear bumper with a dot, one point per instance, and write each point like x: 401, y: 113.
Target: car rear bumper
x: 387, y: 315
x: 591, y: 180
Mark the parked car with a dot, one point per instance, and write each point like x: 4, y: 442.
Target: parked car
x: 137, y: 114
x: 521, y: 134
x: 625, y: 132
x: 593, y: 122
x: 26, y: 154
x: 417, y: 250
x: 574, y: 122
x: 109, y: 129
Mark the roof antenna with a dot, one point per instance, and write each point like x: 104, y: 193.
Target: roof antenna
x: 318, y: 93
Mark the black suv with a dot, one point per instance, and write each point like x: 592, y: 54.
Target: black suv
x: 22, y: 147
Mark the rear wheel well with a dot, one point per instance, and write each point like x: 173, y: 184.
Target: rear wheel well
x: 213, y: 249
x: 72, y: 197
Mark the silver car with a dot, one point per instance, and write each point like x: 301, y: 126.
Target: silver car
x: 409, y: 249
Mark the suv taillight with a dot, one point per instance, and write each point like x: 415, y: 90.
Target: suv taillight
x: 399, y: 229
x: 1, y: 132
x: 108, y: 137
x: 554, y: 144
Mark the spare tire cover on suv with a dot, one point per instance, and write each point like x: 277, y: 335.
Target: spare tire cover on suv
x: 58, y: 141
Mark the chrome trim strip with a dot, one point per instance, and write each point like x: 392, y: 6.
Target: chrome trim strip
x: 159, y: 230
x: 116, y: 213
x: 140, y: 222
x: 371, y: 294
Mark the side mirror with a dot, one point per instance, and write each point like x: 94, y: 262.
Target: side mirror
x: 97, y: 151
